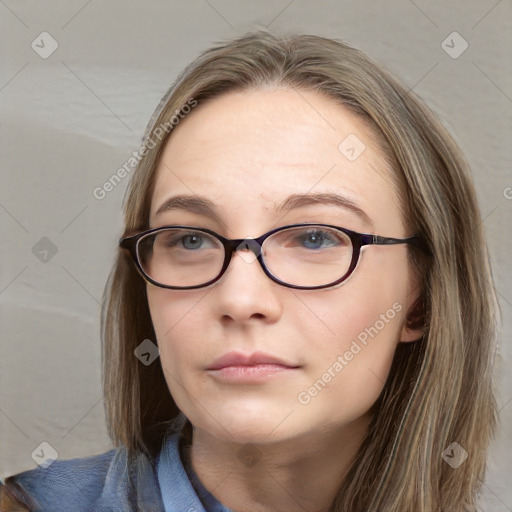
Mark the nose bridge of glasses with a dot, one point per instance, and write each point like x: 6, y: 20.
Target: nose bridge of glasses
x: 250, y: 244
x: 249, y: 249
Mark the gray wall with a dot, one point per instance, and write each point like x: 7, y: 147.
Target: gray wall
x: 71, y: 119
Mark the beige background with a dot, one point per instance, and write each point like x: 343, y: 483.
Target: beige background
x: 70, y: 120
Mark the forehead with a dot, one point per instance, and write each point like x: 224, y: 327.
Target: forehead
x: 248, y: 151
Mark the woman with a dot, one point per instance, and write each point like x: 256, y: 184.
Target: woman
x: 303, y: 244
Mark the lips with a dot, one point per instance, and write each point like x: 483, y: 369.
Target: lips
x: 240, y: 359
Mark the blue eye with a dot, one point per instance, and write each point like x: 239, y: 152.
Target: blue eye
x: 195, y: 241
x: 318, y: 239
x: 190, y: 241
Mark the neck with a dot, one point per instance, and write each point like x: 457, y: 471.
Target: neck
x: 299, y: 473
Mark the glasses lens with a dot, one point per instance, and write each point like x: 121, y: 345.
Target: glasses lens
x: 309, y: 255
x: 180, y: 257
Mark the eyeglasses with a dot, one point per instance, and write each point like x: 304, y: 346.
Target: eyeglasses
x: 303, y: 256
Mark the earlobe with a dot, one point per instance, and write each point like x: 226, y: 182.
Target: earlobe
x: 414, y: 326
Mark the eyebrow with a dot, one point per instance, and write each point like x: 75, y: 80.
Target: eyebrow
x: 203, y: 206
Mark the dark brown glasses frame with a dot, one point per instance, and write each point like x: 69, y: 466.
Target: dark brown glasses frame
x: 358, y: 240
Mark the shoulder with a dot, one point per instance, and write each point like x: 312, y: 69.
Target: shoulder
x: 108, y: 481
x: 38, y: 488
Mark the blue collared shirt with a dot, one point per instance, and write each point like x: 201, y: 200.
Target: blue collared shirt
x: 108, y: 483
x: 177, y: 493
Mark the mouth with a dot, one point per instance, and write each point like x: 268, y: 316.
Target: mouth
x: 239, y: 367
x: 255, y: 359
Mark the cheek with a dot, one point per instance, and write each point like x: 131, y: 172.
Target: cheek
x: 352, y: 333
x: 363, y: 337
x: 347, y: 370
x: 171, y: 312
x: 336, y: 318
x: 374, y: 298
x: 176, y: 321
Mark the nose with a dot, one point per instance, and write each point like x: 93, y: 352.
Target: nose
x: 245, y: 292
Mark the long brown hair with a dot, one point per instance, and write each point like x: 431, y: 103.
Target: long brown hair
x: 440, y: 388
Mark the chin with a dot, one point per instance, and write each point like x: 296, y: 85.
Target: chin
x: 245, y: 429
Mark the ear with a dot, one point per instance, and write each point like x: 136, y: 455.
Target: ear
x: 415, y: 320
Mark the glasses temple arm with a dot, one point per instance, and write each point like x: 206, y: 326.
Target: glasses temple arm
x: 413, y: 240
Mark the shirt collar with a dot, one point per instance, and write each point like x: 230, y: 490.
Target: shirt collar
x: 181, y: 492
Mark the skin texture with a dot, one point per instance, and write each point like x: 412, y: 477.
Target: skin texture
x: 247, y: 151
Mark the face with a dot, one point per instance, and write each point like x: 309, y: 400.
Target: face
x: 247, y: 152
